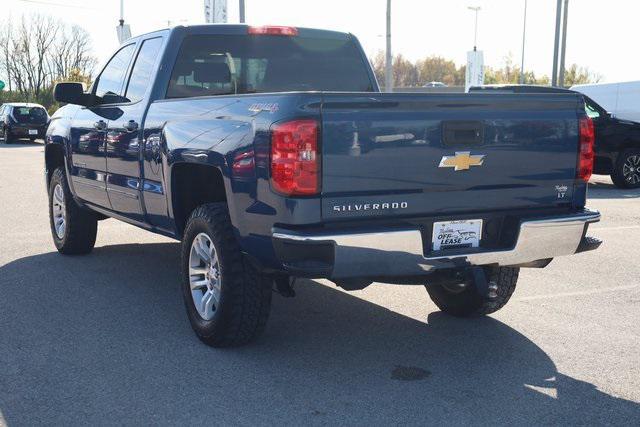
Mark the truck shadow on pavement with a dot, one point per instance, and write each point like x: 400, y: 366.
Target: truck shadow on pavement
x: 21, y: 144
x: 104, y: 339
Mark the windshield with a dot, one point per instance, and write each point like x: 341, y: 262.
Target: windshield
x: 224, y: 64
x: 592, y: 109
x: 30, y: 114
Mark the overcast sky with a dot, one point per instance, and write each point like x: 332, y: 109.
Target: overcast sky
x: 599, y: 32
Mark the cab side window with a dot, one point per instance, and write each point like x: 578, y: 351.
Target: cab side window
x: 591, y: 111
x: 111, y: 81
x: 142, y: 69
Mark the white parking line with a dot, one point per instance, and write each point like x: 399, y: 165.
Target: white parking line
x: 577, y: 293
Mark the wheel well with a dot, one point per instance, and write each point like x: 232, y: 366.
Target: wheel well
x: 53, y: 158
x: 193, y: 185
x: 602, y: 165
x: 632, y: 145
x: 629, y: 145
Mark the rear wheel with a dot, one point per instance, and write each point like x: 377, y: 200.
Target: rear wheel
x: 465, y: 300
x: 73, y: 228
x: 626, y: 173
x: 226, y: 298
x: 8, y: 138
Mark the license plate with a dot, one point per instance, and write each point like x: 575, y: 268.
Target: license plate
x: 33, y: 131
x: 457, y: 234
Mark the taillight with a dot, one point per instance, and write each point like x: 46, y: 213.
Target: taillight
x: 586, y: 153
x: 273, y: 30
x: 295, y: 163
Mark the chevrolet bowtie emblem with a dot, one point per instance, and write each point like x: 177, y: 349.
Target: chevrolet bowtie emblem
x: 462, y: 161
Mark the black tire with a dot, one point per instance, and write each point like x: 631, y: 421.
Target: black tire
x: 468, y: 302
x: 81, y: 226
x: 8, y: 138
x: 626, y: 172
x: 244, y: 296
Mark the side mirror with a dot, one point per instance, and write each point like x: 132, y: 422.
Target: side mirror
x: 70, y: 93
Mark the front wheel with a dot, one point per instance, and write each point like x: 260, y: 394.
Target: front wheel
x: 226, y: 298
x: 466, y: 300
x: 626, y: 173
x: 73, y: 228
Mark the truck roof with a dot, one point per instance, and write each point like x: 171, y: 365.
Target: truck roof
x: 22, y: 104
x: 235, y: 29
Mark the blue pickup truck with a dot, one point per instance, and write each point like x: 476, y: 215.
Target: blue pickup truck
x: 272, y: 155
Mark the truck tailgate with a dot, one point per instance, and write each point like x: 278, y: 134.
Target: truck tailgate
x: 434, y: 154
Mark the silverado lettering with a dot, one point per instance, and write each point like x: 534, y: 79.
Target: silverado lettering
x: 370, y: 206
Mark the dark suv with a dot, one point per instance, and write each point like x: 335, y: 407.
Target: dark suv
x: 617, y: 144
x: 22, y: 120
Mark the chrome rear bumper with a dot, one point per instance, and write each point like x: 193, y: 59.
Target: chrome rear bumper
x: 400, y: 252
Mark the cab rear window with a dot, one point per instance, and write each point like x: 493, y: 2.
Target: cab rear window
x: 30, y: 114
x: 230, y: 64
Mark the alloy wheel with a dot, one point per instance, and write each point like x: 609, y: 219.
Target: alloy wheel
x: 59, y: 211
x: 631, y: 170
x: 204, y: 276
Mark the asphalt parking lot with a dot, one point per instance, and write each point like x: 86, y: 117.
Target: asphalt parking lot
x: 104, y: 339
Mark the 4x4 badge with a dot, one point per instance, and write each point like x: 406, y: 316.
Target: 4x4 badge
x: 462, y: 161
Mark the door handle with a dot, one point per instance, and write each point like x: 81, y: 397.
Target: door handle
x: 100, y: 125
x: 130, y: 126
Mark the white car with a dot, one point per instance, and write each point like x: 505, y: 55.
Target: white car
x: 435, y: 84
x: 621, y: 99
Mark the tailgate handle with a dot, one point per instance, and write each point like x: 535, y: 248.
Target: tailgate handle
x: 456, y: 132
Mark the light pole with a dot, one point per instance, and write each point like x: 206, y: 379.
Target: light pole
x: 476, y: 9
x: 562, y: 14
x: 524, y: 33
x: 554, y: 75
x: 388, y: 68
x: 242, y: 12
x: 123, y: 30
x: 121, y: 13
x: 565, y: 17
x: 474, y: 72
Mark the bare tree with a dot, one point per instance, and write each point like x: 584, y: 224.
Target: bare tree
x: 41, y: 51
x: 378, y: 64
x: 575, y: 75
x: 405, y: 73
x: 438, y: 69
x: 71, y: 54
x: 31, y: 46
x: 5, y: 52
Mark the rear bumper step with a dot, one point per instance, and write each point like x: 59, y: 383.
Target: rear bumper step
x: 588, y: 244
x: 400, y: 252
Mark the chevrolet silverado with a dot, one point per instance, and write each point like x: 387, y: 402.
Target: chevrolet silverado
x: 271, y: 153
